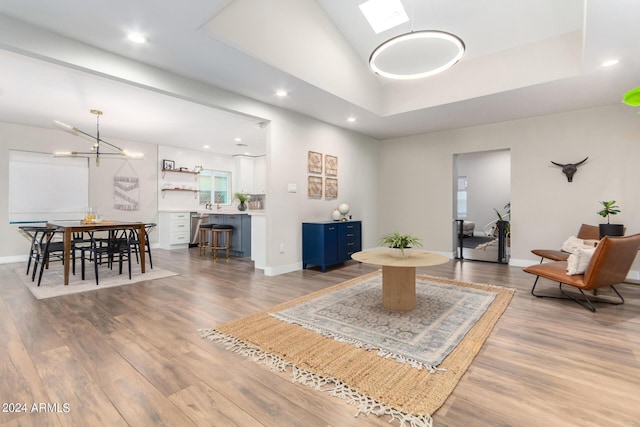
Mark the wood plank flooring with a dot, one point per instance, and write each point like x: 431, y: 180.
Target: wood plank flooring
x: 132, y: 355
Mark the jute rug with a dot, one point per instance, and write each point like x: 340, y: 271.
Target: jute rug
x: 377, y: 382
x: 52, y: 284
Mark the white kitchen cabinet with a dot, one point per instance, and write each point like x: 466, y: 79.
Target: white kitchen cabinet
x: 174, y: 229
x: 251, y: 175
x: 244, y: 173
x: 260, y: 175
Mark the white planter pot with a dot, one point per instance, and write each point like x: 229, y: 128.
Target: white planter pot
x: 397, y: 253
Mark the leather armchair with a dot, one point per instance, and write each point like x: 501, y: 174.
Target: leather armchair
x: 586, y: 232
x: 609, y: 265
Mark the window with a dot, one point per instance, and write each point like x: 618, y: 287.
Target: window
x: 46, y: 188
x: 215, y: 187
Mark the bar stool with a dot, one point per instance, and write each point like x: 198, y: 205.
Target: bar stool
x: 204, y: 230
x: 216, y: 231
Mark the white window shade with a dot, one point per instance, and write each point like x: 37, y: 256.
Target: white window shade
x: 46, y: 188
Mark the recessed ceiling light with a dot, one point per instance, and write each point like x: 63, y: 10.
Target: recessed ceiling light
x: 281, y: 93
x: 351, y: 119
x: 610, y: 62
x: 246, y: 153
x: 205, y: 146
x: 383, y: 14
x: 238, y: 139
x: 138, y: 38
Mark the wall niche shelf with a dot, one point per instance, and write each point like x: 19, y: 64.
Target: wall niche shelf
x: 195, y: 174
x: 195, y: 192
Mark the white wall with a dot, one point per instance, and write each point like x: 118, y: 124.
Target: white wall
x: 291, y: 137
x: 18, y: 137
x: 416, y: 193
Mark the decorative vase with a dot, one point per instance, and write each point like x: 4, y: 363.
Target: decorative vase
x: 336, y: 215
x: 343, y: 208
x: 242, y: 206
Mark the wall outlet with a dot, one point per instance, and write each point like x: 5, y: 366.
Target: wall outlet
x: 281, y: 248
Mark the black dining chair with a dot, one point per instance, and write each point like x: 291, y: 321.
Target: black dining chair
x: 134, y: 239
x: 49, y: 247
x: 116, y: 247
x: 35, y: 234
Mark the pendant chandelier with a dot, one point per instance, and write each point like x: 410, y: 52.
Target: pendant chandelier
x: 99, y: 148
x: 411, y: 55
x: 417, y: 54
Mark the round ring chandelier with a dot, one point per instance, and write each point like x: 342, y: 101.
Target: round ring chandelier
x: 417, y: 54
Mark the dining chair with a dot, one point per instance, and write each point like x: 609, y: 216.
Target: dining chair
x: 49, y: 246
x: 116, y: 247
x: 135, y: 241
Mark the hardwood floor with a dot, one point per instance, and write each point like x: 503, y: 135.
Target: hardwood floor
x: 132, y: 355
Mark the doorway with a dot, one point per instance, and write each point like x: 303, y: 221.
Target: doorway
x: 482, y: 207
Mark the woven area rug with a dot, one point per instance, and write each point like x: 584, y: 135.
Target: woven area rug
x: 52, y: 284
x: 376, y: 364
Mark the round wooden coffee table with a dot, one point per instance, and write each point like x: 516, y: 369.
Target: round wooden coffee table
x: 399, y: 275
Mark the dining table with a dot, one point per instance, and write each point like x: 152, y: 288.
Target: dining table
x: 70, y: 227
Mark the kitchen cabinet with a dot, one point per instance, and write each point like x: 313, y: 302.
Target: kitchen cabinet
x: 244, y: 172
x: 251, y: 174
x: 241, y: 235
x: 174, y: 229
x: 260, y: 175
x: 329, y: 243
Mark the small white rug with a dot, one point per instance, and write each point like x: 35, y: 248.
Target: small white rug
x: 52, y: 284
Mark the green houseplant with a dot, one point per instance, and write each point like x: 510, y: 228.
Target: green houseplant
x: 632, y: 98
x: 399, y: 241
x: 610, y: 208
x: 242, y: 198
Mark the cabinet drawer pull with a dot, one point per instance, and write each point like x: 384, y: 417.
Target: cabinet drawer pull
x: 331, y: 228
x: 349, y: 226
x: 350, y: 235
x: 350, y: 244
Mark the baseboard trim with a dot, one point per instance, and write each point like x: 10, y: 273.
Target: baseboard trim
x: 282, y: 269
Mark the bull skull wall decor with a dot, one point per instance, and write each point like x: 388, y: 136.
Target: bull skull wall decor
x: 570, y: 168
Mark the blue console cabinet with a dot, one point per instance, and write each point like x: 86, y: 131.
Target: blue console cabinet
x: 328, y: 243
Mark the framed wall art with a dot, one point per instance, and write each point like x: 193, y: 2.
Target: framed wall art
x: 168, y: 165
x: 314, y: 162
x: 314, y: 187
x: 331, y: 188
x: 331, y: 165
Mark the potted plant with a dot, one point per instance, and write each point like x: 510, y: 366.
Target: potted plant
x: 399, y: 242
x: 242, y: 198
x: 610, y: 208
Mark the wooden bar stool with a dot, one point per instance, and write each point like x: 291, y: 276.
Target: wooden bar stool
x: 205, y: 233
x: 216, y: 230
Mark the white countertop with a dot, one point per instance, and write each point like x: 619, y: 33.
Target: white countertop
x: 228, y: 211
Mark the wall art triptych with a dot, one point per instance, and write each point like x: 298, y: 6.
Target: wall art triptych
x: 316, y: 165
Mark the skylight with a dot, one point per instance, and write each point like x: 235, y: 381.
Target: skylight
x: 384, y: 14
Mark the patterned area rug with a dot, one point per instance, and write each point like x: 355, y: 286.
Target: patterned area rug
x: 329, y: 356
x: 52, y: 284
x: 422, y: 337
